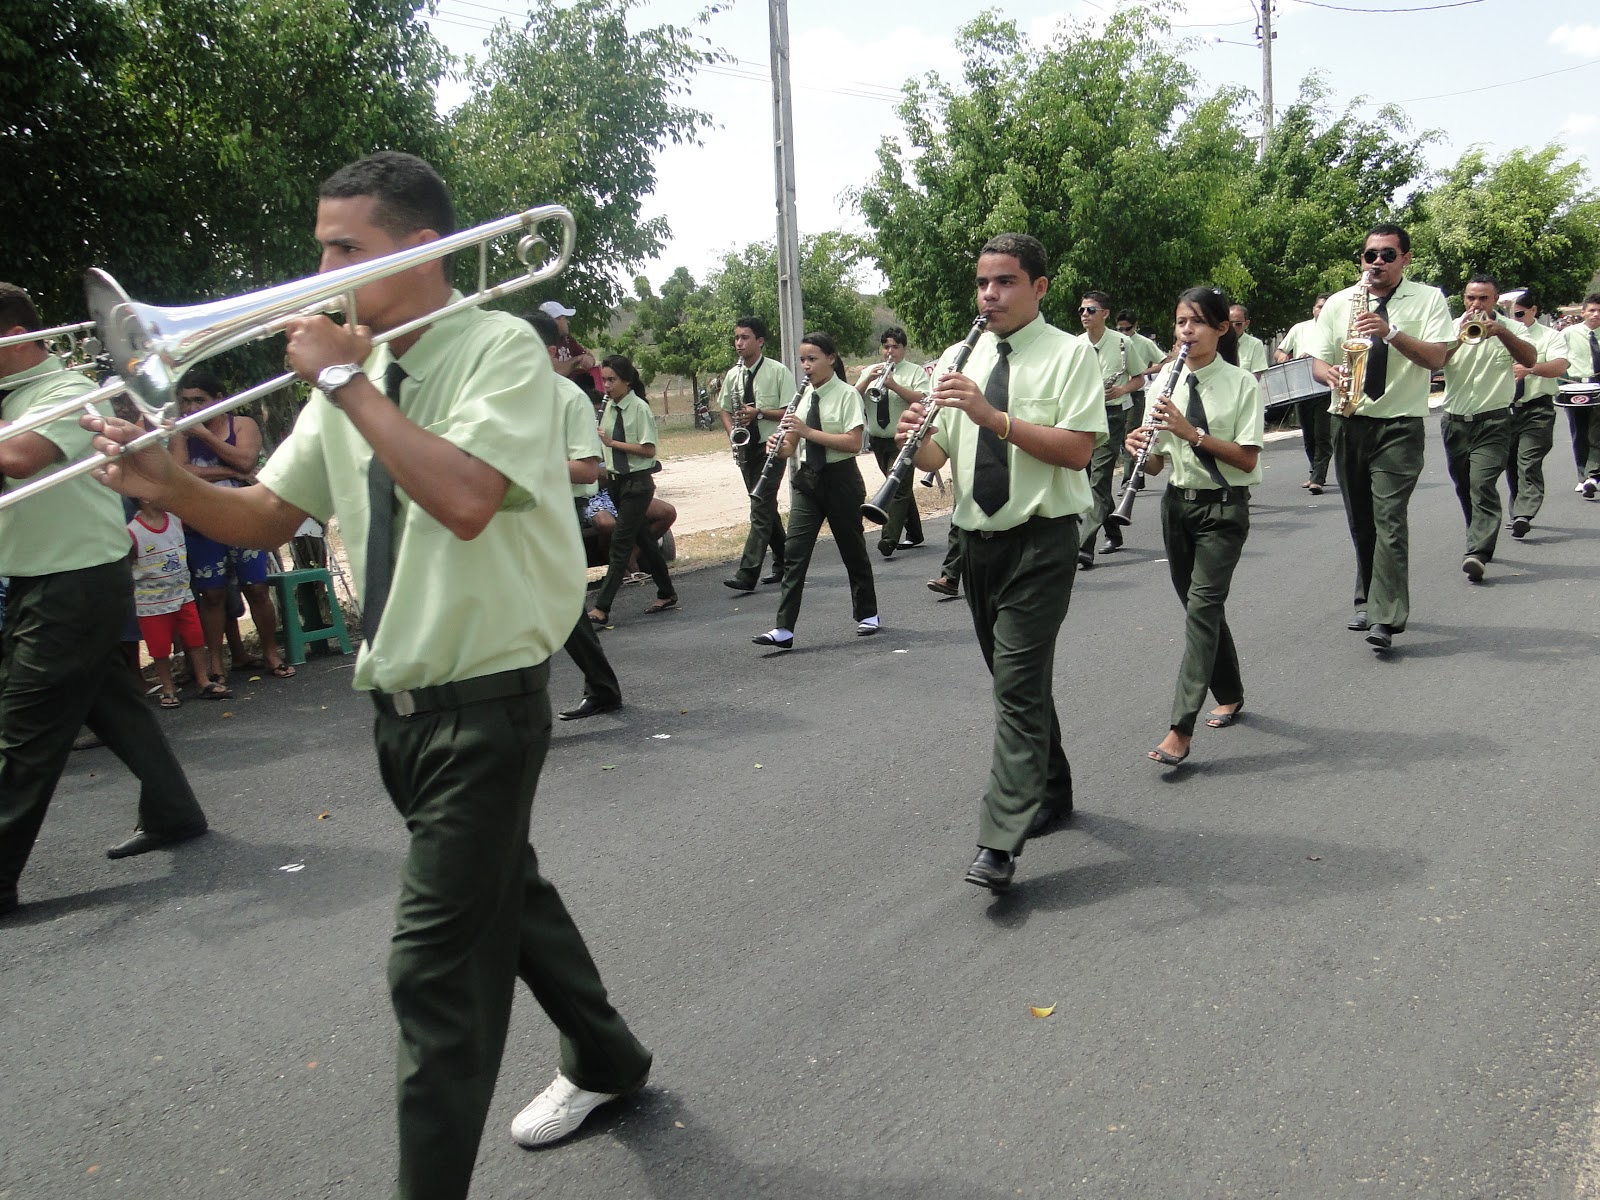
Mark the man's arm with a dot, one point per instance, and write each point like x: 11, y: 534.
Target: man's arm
x: 584, y: 471
x: 26, y: 454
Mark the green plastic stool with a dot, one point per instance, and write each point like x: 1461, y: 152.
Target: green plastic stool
x: 295, y: 639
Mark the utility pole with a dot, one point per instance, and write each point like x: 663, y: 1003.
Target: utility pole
x: 790, y: 314
x: 1266, y: 75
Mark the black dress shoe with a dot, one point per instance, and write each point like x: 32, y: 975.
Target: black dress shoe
x: 775, y: 577
x: 1085, y: 560
x: 992, y: 869
x: 143, y: 841
x: 1380, y: 637
x: 739, y: 585
x: 1047, y: 818
x: 1111, y: 546
x: 767, y: 639
x: 1359, y: 622
x: 590, y: 707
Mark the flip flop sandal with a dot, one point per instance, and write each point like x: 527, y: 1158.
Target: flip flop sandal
x: 283, y: 671
x: 1167, y: 760
x: 1218, y: 720
x: 216, y: 691
x: 170, y: 700
x: 601, y: 620
x: 661, y: 606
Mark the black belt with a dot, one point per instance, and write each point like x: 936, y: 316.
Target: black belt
x: 1031, y: 526
x: 1522, y: 406
x: 524, y: 681
x: 1210, y: 495
x: 1469, y: 418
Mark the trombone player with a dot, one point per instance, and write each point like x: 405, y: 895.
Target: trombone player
x: 755, y: 391
x: 441, y: 454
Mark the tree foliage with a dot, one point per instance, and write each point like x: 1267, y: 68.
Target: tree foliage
x: 747, y: 285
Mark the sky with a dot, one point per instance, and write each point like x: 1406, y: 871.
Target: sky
x: 1455, y: 68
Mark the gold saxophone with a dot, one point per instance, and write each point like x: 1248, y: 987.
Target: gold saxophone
x: 1356, y: 347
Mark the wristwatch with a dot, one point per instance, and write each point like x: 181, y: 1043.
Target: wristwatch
x: 331, y: 379
x: 1389, y: 337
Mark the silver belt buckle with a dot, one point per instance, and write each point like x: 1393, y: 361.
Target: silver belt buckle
x: 404, y: 705
x: 1188, y: 493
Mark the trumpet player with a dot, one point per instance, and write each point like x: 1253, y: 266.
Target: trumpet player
x: 1123, y: 363
x: 1210, y: 429
x: 1479, y: 385
x: 1533, y: 413
x: 886, y: 389
x: 1017, y: 426
x: 755, y: 391
x: 1393, y: 332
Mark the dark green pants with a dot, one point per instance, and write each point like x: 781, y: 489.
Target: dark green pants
x: 951, y: 569
x: 1101, y: 465
x: 1132, y: 419
x: 1378, y: 461
x: 1585, y: 442
x: 835, y: 497
x: 631, y: 494
x: 903, y: 514
x: 1204, y: 537
x: 1018, y: 586
x: 61, y: 667
x: 1317, y: 434
x: 766, y: 526
x: 1533, y: 432
x: 599, y: 680
x: 474, y: 915
x: 1476, y: 453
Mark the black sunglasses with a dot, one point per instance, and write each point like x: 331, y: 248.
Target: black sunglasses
x: 1519, y: 312
x: 1388, y: 254
x: 1089, y: 308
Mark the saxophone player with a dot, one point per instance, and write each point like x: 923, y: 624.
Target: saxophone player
x: 1478, y: 387
x: 755, y: 392
x: 1123, y: 363
x: 886, y: 389
x: 1378, y: 448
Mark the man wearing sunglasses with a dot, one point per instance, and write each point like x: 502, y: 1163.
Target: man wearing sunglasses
x: 1378, y: 450
x: 1583, y: 354
x: 1533, y: 413
x: 1478, y: 388
x: 1123, y: 364
x: 1252, y: 350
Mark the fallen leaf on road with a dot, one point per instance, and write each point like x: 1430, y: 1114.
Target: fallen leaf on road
x: 1042, y: 1012
x: 324, y: 816
x: 226, y: 715
x: 679, y: 1124
x: 758, y: 766
x: 610, y: 768
x: 1313, y: 858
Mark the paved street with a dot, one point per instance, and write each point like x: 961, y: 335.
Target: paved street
x: 1350, y: 951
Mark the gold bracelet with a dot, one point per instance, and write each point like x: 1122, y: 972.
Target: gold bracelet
x: 1006, y: 436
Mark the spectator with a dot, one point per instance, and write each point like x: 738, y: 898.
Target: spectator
x: 162, y: 598
x: 572, y: 360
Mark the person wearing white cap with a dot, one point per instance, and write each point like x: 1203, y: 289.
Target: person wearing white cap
x: 571, y: 357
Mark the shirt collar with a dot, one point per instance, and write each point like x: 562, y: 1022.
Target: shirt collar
x: 429, y: 349
x: 1022, y: 338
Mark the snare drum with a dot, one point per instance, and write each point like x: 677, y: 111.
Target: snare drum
x: 1290, y: 383
x: 1577, y: 395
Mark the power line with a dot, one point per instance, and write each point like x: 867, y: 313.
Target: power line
x: 1383, y: 12
x: 1508, y: 83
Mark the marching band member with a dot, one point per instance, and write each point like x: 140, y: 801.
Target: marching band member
x: 1123, y: 363
x: 1533, y: 414
x: 1315, y: 430
x: 1018, y: 427
x: 1252, y: 350
x: 1127, y: 326
x: 628, y: 432
x: 1478, y: 386
x: 755, y: 391
x: 1378, y: 450
x: 1583, y: 355
x: 826, y: 487
x: 903, y: 382
x: 1211, y: 429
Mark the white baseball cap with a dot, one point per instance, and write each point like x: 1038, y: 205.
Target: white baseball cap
x: 554, y: 308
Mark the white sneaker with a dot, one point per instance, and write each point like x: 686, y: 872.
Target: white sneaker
x: 868, y: 627
x: 556, y: 1113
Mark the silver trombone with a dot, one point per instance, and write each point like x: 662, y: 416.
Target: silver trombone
x: 151, y: 347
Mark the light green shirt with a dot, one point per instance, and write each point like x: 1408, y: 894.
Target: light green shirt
x: 1234, y: 413
x: 1120, y: 357
x: 1300, y: 341
x: 774, y: 388
x: 582, y: 434
x: 72, y: 525
x: 1055, y: 380
x: 1416, y: 309
x: 1582, y: 362
x: 639, y: 429
x: 1548, y: 344
x: 908, y: 375
x: 457, y: 609
x: 1478, y: 378
x: 1252, y: 353
x: 838, y: 411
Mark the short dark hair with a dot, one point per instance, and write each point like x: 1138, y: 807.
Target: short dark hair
x: 1024, y: 247
x: 1241, y: 308
x: 1480, y: 277
x: 754, y: 324
x: 409, y: 193
x: 1100, y: 298
x: 1592, y: 298
x: 16, y: 308
x: 1129, y: 316
x: 1389, y: 229
x: 545, y: 326
x: 1321, y: 297
x: 202, y: 380
x: 893, y: 334
x: 825, y: 343
x: 1528, y: 299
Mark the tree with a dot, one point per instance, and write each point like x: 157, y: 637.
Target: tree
x: 746, y: 285
x: 571, y: 109
x: 677, y: 332
x: 1527, y: 220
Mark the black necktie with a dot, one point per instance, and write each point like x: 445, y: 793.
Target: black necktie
x: 1195, y: 410
x: 1378, y: 358
x: 619, y: 460
x: 380, y: 525
x: 883, y: 397
x: 1516, y: 393
x: 1594, y: 355
x: 991, y: 470
x: 816, y: 453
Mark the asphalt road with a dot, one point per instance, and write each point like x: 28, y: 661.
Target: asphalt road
x: 1349, y: 952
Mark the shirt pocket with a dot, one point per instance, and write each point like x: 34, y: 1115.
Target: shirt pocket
x: 1036, y: 410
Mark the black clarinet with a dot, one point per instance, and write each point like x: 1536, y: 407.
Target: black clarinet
x: 1123, y: 515
x: 876, y: 509
x: 772, y: 469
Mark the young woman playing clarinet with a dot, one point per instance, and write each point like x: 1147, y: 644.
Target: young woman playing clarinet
x: 824, y: 435
x: 628, y: 432
x: 1208, y: 425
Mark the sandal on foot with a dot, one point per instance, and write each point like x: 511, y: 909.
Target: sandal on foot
x: 661, y: 606
x: 596, y: 617
x: 170, y: 700
x: 283, y: 671
x: 1221, y: 720
x: 1167, y: 760
x: 216, y: 690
